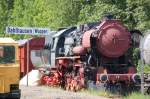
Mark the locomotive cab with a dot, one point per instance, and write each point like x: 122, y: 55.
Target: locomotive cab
x: 9, y: 69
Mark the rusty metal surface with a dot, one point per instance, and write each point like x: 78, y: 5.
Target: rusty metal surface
x: 34, y: 44
x: 113, y: 38
x: 86, y: 38
x: 79, y: 50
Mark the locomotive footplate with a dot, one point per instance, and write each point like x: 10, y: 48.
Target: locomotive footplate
x: 74, y: 57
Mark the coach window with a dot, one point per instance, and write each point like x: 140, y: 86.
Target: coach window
x: 36, y: 58
x: 40, y: 58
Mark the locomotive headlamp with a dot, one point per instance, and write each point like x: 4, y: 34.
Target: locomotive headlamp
x: 104, y: 77
x: 136, y: 78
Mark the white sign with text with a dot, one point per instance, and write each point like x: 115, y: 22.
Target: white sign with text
x: 27, y: 30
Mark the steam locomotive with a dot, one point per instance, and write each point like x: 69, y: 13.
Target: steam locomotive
x: 95, y: 52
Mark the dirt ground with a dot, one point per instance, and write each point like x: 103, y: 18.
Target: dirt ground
x: 53, y: 93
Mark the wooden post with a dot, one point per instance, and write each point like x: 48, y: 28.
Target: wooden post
x: 27, y: 61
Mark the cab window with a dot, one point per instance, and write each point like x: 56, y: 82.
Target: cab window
x: 7, y: 54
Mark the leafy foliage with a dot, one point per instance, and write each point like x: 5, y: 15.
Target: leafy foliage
x: 3, y: 15
x: 63, y: 13
x: 135, y: 14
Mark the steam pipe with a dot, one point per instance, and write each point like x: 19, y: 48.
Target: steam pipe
x: 89, y: 59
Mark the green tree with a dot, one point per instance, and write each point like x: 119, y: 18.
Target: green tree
x: 45, y: 13
x: 134, y: 13
x: 140, y: 12
x: 30, y: 13
x: 6, y: 7
x: 64, y: 12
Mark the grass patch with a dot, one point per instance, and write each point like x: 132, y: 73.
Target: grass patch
x: 134, y: 95
x: 100, y: 93
x: 137, y: 96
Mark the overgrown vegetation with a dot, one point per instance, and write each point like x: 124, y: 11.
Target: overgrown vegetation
x: 137, y: 96
x: 99, y: 93
x: 62, y: 13
x: 115, y: 96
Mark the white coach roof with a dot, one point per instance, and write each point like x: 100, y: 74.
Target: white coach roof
x: 7, y: 40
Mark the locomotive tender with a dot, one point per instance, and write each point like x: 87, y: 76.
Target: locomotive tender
x: 91, y: 52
